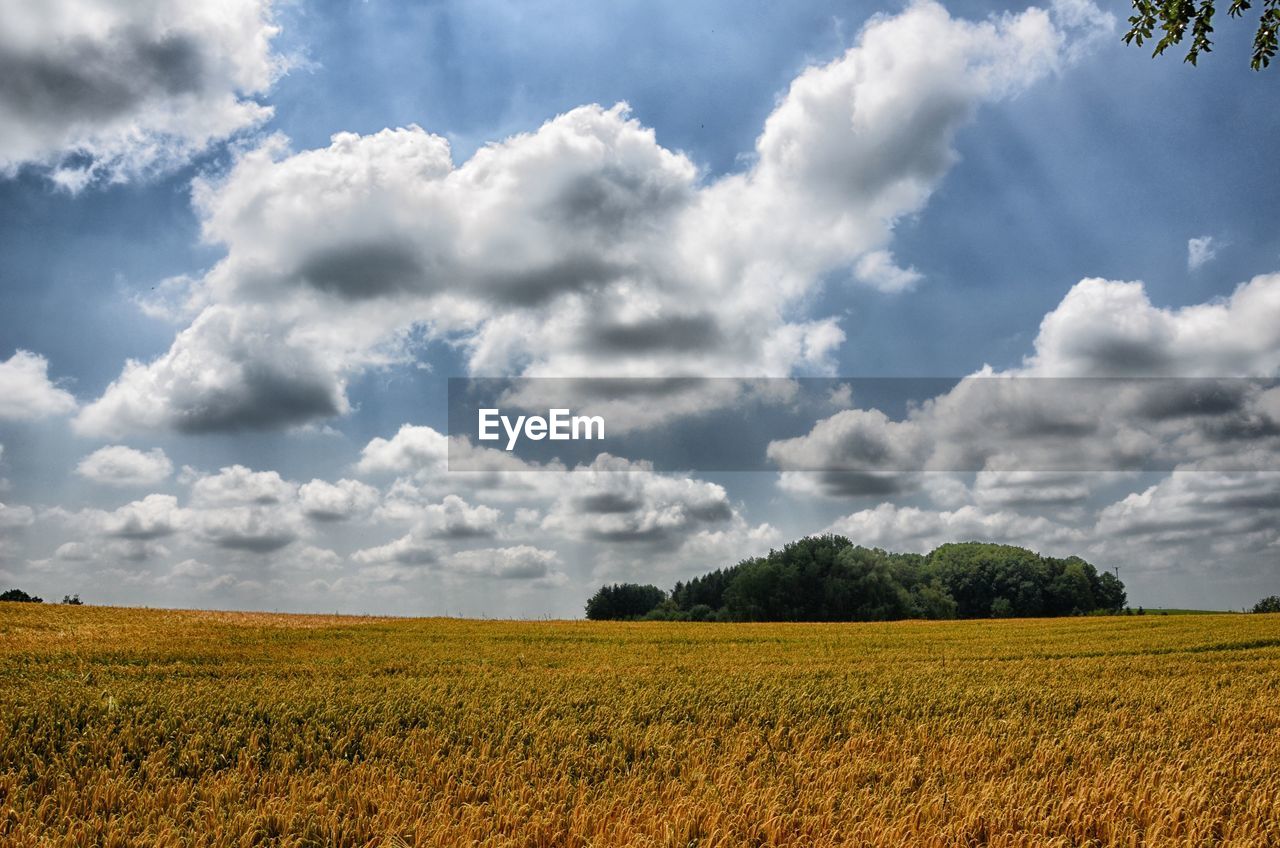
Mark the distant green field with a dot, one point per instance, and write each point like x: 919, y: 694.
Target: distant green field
x: 1171, y: 611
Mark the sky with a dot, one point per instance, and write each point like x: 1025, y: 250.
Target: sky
x: 243, y: 249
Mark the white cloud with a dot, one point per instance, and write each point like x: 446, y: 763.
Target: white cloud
x: 1032, y: 488
x: 583, y: 248
x: 618, y: 501
x: 1029, y: 420
x: 1200, y: 251
x: 906, y: 528
x: 259, y: 530
x: 1241, y: 509
x: 621, y: 509
x: 152, y: 517
x: 878, y: 269
x: 521, y: 562
x: 451, y: 518
x: 454, y: 518
x: 1107, y: 328
x: 95, y: 89
x: 26, y: 392
x: 237, y: 485
x: 237, y: 509
x: 14, y: 517
x: 412, y: 448
x: 409, y: 550
x: 341, y: 501
x: 118, y: 465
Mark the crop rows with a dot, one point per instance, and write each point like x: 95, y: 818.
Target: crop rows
x: 137, y: 727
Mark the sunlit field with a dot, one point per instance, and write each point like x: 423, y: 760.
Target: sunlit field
x: 135, y: 727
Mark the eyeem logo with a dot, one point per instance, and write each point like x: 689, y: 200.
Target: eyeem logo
x: 559, y: 425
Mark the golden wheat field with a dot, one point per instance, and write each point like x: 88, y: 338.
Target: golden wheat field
x: 138, y: 727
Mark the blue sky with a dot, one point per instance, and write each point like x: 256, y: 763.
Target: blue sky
x: 1088, y: 160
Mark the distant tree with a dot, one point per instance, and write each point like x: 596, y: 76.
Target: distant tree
x: 20, y: 596
x: 932, y: 601
x: 870, y: 591
x: 701, y: 612
x: 624, y: 600
x: 707, y: 589
x: 72, y: 600
x: 666, y: 611
x: 976, y: 573
x: 1174, y: 17
x: 1071, y: 589
x: 828, y: 578
x: 1271, y: 603
x: 1110, y: 593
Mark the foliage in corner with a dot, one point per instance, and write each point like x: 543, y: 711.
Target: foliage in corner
x: 1174, y: 17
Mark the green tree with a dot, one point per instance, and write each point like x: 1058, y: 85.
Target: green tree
x: 1110, y: 592
x: 1071, y: 592
x: 701, y: 612
x: 866, y: 588
x: 930, y: 600
x: 20, y: 596
x: 828, y: 578
x: 1271, y: 603
x: 1174, y: 17
x: 624, y: 600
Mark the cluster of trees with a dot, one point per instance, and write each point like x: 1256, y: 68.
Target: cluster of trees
x: 1271, y: 603
x: 828, y: 578
x: 20, y: 596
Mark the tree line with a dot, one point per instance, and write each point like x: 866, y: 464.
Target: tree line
x: 828, y: 578
x: 21, y: 597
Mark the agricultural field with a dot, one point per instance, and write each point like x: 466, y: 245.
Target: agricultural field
x: 160, y: 728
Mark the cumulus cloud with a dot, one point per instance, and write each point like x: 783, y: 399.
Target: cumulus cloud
x: 619, y: 501
x: 1105, y: 328
x: 97, y: 89
x: 226, y: 372
x: 14, y: 517
x: 117, y: 465
x: 1033, y: 488
x: 417, y: 449
x: 26, y: 392
x: 150, y: 518
x: 451, y: 518
x: 908, y: 528
x: 1200, y: 251
x: 521, y: 562
x: 244, y: 528
x: 340, y: 501
x: 1115, y: 383
x: 620, y: 508
x: 236, y: 485
x: 454, y: 518
x: 584, y: 248
x: 1242, y: 509
x: 237, y: 510
x: 410, y: 550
